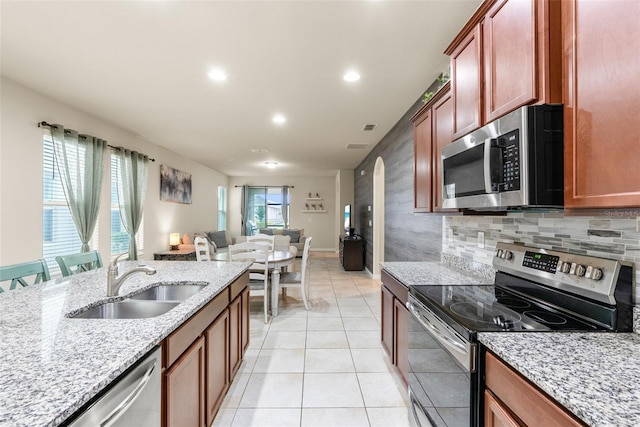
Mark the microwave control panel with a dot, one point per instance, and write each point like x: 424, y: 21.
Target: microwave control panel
x: 510, y: 146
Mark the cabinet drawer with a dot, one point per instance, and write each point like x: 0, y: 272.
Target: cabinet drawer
x: 180, y: 340
x: 524, y: 399
x: 238, y: 286
x: 399, y: 290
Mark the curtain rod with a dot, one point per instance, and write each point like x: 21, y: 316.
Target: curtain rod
x: 45, y: 124
x: 266, y: 186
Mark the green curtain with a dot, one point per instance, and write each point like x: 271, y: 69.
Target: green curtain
x: 132, y: 171
x: 285, y: 206
x: 80, y: 164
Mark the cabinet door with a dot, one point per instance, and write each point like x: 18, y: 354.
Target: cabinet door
x: 601, y: 41
x: 245, y: 322
x: 387, y: 322
x: 235, y: 335
x: 401, y: 341
x: 509, y: 36
x: 422, y: 144
x: 442, y: 135
x: 496, y: 415
x: 466, y: 84
x: 217, y: 345
x: 185, y: 388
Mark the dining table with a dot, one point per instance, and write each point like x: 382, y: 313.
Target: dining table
x: 277, y: 260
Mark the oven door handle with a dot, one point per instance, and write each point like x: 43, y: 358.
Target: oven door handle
x: 425, y: 323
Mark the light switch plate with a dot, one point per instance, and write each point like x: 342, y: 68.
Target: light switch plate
x: 481, y: 239
x: 370, y: 223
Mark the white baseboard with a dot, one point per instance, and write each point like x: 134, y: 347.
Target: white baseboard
x: 323, y: 250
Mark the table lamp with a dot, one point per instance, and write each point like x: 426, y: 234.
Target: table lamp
x: 174, y: 241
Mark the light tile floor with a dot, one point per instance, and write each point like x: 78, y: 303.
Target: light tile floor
x: 323, y: 367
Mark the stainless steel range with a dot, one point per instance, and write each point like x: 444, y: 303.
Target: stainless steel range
x: 534, y: 290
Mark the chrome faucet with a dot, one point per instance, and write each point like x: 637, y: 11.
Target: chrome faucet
x: 114, y: 282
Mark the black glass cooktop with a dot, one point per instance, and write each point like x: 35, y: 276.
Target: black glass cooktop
x: 488, y: 308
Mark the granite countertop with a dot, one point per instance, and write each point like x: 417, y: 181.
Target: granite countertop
x: 434, y: 273
x: 596, y: 376
x: 51, y: 365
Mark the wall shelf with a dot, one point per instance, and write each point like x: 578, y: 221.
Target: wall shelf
x: 314, y: 211
x: 313, y: 199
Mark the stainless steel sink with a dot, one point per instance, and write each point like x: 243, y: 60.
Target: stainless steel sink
x: 165, y: 292
x: 127, y: 309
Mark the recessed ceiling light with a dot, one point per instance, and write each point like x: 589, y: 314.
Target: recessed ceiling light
x: 279, y: 119
x: 271, y: 165
x: 351, y: 76
x: 218, y: 75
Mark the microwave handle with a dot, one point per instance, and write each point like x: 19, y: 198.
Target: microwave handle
x: 487, y: 166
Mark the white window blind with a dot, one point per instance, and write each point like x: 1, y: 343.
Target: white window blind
x: 222, y: 208
x: 59, y: 235
x: 119, y: 236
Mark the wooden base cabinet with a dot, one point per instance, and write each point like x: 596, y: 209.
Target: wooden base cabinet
x: 511, y: 400
x: 185, y: 388
x: 202, y: 356
x: 395, y: 319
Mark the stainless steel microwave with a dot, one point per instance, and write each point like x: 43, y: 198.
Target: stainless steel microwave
x: 514, y: 161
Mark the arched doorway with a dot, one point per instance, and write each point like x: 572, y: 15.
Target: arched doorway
x: 378, y: 216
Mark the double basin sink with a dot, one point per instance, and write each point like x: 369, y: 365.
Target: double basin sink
x: 151, y: 302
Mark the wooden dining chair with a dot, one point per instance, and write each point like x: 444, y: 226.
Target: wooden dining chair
x: 17, y: 273
x: 298, y: 279
x: 77, y: 263
x: 202, y: 249
x: 258, y: 254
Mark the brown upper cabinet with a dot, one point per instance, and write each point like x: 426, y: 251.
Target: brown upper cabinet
x: 432, y: 130
x: 504, y: 58
x: 601, y: 41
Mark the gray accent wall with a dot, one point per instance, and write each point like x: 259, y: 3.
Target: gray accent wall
x: 409, y: 236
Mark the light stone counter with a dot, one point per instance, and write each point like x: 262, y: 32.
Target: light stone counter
x: 432, y: 273
x: 596, y: 376
x: 51, y: 365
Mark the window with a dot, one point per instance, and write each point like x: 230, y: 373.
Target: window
x: 222, y: 208
x: 265, y: 208
x: 59, y: 235
x: 119, y: 235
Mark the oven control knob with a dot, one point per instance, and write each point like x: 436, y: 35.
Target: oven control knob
x: 499, y: 253
x: 580, y: 270
x: 507, y: 254
x: 565, y: 267
x: 596, y: 274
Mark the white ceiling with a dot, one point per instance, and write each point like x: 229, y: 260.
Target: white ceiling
x: 142, y: 65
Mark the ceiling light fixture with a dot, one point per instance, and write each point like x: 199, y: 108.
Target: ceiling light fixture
x: 279, y: 119
x: 217, y: 75
x: 351, y: 76
x: 271, y: 165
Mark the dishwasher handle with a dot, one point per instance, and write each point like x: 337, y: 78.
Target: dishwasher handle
x: 114, y: 415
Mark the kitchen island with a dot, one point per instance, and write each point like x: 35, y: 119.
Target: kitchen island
x: 51, y: 365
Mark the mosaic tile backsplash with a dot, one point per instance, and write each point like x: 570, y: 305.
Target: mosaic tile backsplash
x: 616, y: 238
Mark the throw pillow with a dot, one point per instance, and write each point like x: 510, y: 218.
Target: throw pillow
x: 267, y: 231
x: 293, y: 234
x: 218, y: 238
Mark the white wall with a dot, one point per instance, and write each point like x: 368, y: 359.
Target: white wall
x: 21, y: 178
x: 321, y: 226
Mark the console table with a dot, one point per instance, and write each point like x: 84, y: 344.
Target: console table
x: 352, y: 253
x: 177, y: 255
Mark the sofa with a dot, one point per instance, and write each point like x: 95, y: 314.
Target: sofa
x: 296, y: 235
x: 220, y: 240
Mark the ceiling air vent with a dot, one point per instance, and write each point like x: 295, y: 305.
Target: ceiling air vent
x: 356, y: 146
x: 260, y: 150
x: 368, y: 127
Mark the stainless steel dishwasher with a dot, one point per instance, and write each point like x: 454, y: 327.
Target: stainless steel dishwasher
x: 132, y: 400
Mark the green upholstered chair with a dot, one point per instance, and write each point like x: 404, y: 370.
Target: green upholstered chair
x: 77, y: 263
x: 17, y: 272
